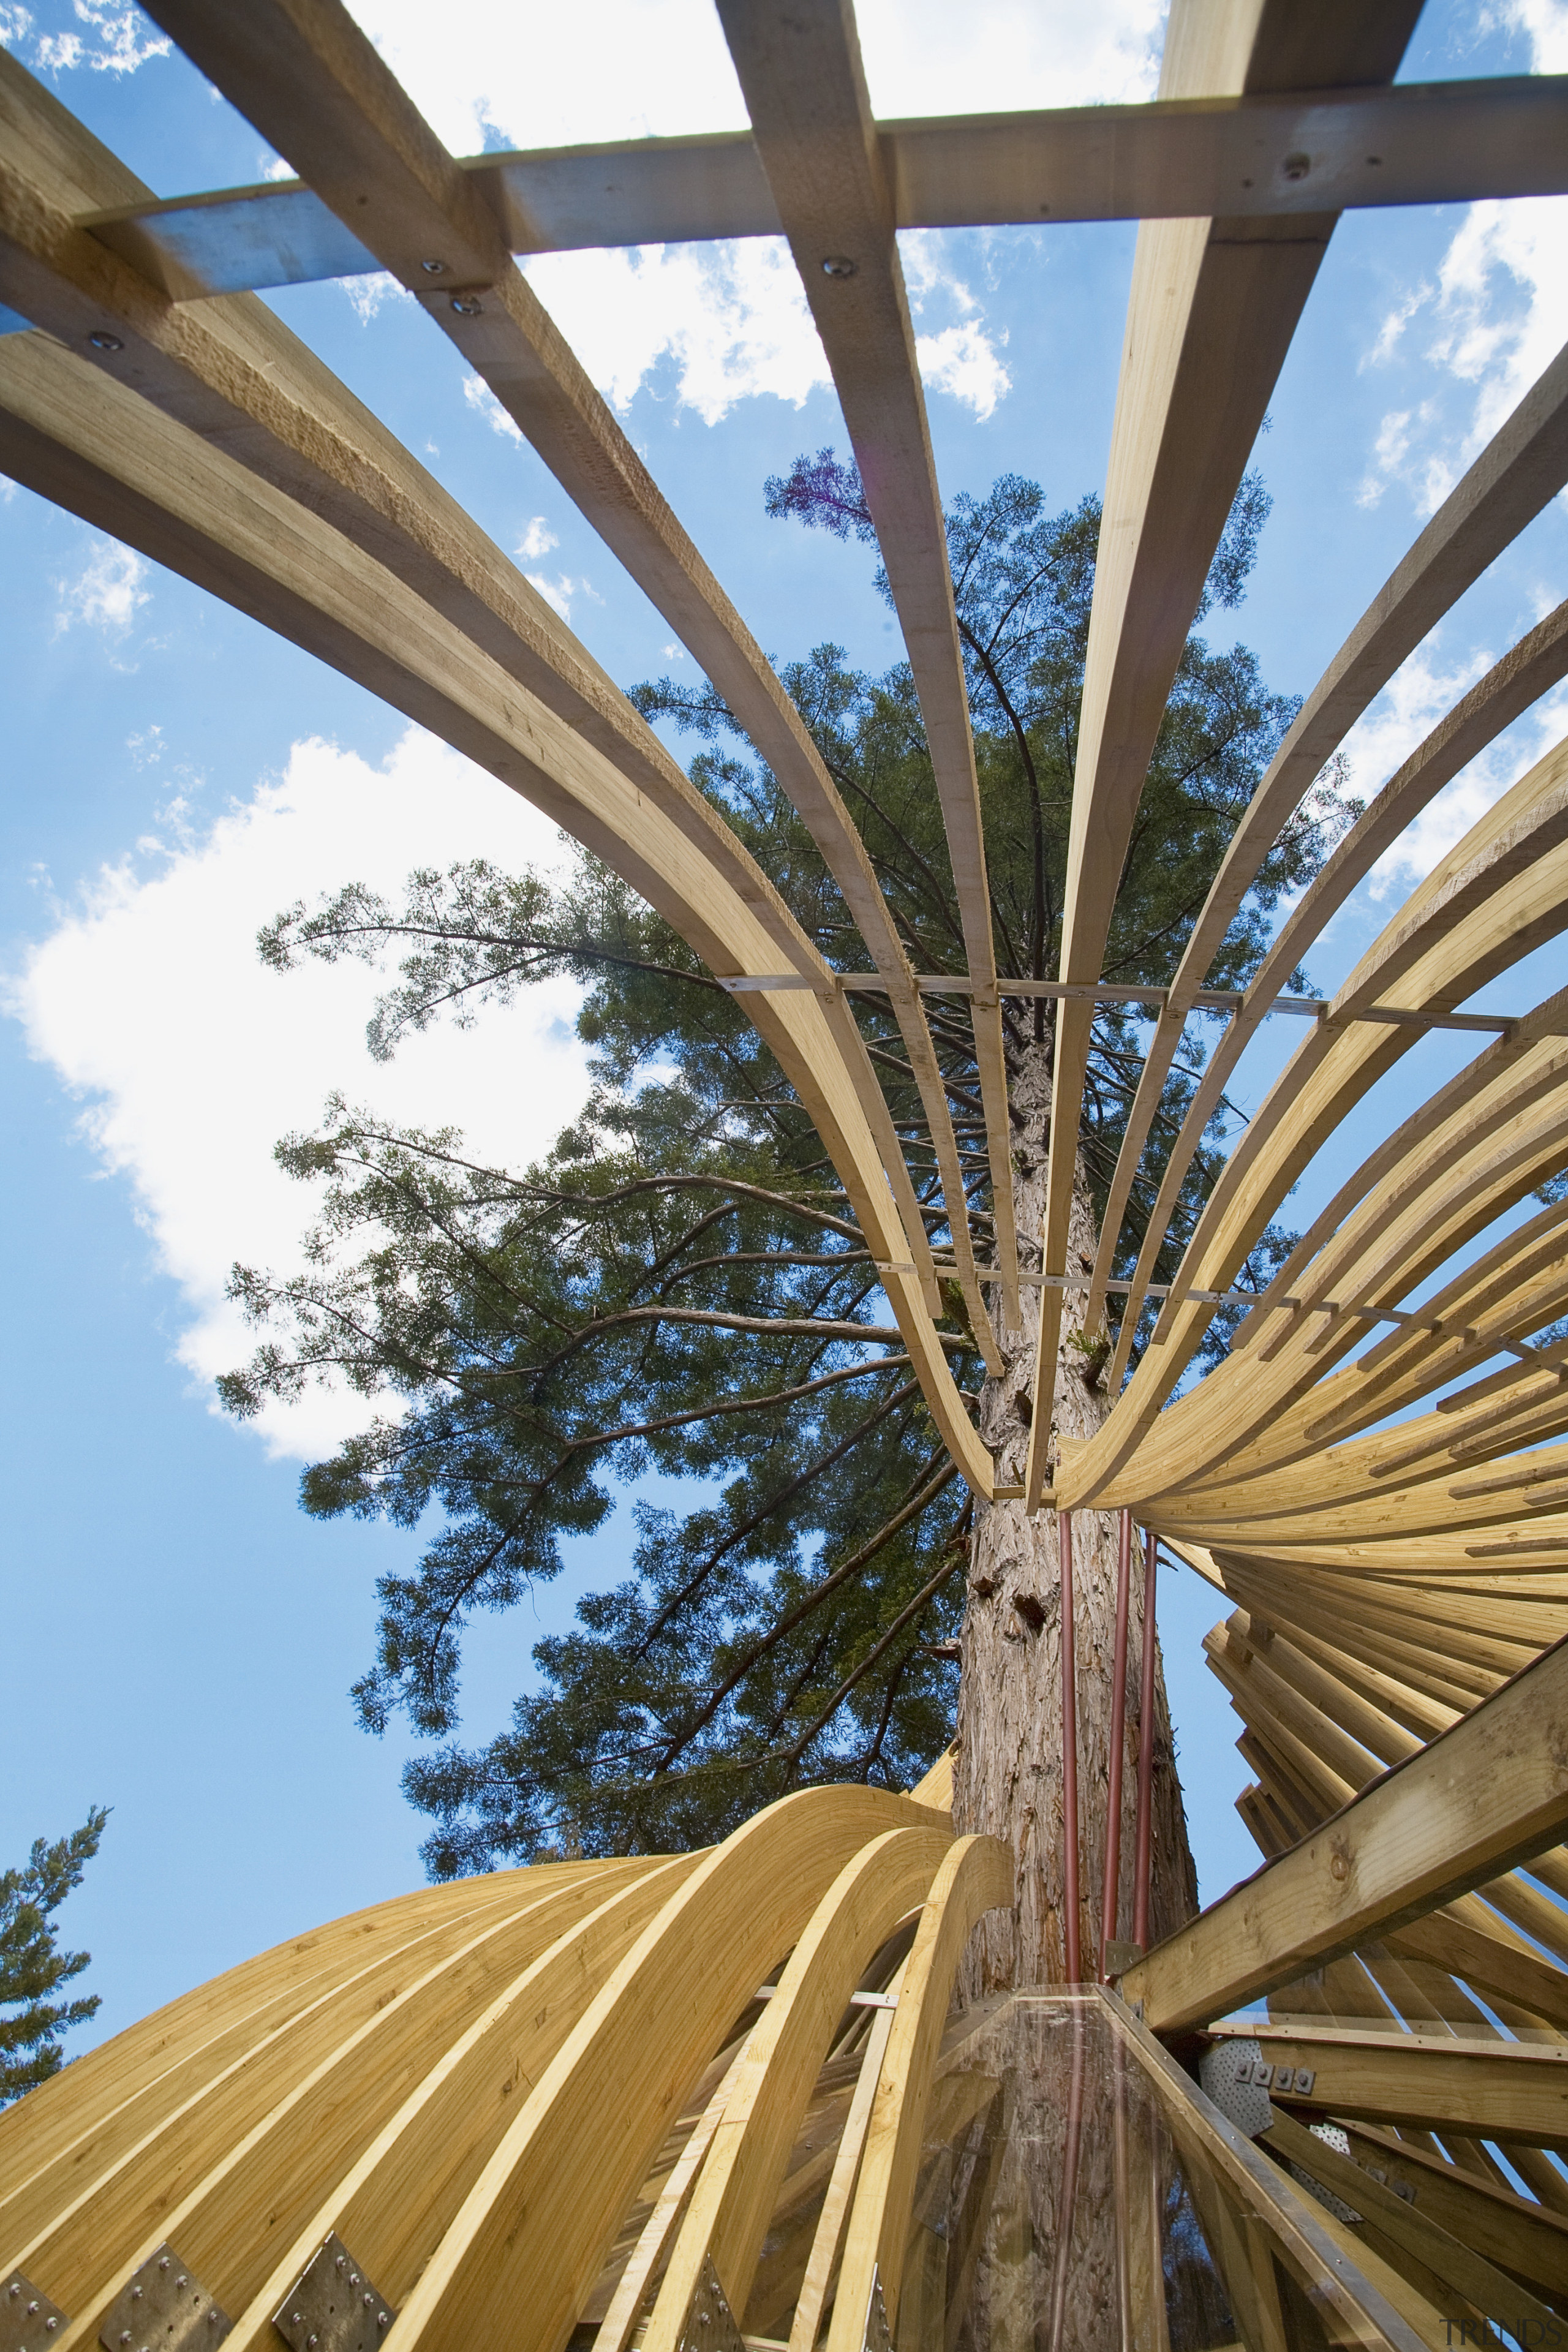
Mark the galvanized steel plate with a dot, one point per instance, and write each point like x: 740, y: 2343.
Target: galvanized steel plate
x: 28, y: 2320
x: 164, y: 2309
x: 334, y: 2307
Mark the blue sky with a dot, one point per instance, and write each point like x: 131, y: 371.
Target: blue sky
x: 181, y: 1639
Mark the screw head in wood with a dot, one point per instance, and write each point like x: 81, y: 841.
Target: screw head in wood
x: 103, y: 341
x: 839, y: 264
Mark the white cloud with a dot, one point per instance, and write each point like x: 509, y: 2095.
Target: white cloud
x: 1545, y: 25
x: 149, y: 1000
x: 536, y: 540
x: 963, y: 361
x: 1421, y: 692
x: 562, y: 592
x: 107, y: 594
x: 1495, y: 314
x: 99, y: 34
x: 642, y: 68
x: 730, y: 322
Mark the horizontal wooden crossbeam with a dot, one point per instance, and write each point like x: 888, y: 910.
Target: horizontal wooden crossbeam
x: 1495, y: 2090
x: 1437, y: 143
x: 1490, y: 1793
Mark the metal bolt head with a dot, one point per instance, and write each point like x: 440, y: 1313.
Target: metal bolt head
x: 435, y: 269
x: 1296, y: 167
x: 104, y: 342
x: 367, y: 2300
x: 125, y: 2335
x: 381, y: 2320
x: 50, y: 2326
x: 839, y: 264
x: 467, y: 306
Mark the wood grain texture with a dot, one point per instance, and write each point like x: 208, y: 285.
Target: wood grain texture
x: 533, y: 2231
x: 1487, y: 1794
x: 976, y: 1877
x: 729, y: 2213
x: 315, y: 86
x: 1212, y: 310
x: 805, y: 88
x: 108, y: 455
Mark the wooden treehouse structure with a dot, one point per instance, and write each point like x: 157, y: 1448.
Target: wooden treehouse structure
x: 684, y: 2101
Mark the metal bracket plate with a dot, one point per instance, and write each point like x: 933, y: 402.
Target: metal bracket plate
x: 878, y: 2337
x: 164, y: 2309
x: 28, y: 2320
x: 334, y: 2307
x: 709, y: 2324
x: 1230, y: 2073
x: 1332, y: 2137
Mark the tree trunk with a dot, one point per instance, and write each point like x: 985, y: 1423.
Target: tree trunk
x: 1007, y: 1776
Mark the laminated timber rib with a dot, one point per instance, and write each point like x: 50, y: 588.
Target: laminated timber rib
x: 647, y: 2102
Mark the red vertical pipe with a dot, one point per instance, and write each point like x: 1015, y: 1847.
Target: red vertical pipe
x: 1070, y: 1762
x: 1145, y: 1752
x: 1108, y: 1920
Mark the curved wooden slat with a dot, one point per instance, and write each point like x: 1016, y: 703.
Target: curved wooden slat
x: 396, y: 2197
x: 805, y: 88
x: 106, y: 454
x: 1497, y: 895
x: 728, y: 2216
x: 1212, y: 308
x: 233, y: 373
x: 317, y: 88
x: 1531, y: 668
x: 533, y: 2231
x: 265, y: 2140
x: 152, y: 2064
x: 59, y: 2173
x: 976, y: 1877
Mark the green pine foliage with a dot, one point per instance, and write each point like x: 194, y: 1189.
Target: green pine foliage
x: 32, y: 1967
x: 679, y: 1293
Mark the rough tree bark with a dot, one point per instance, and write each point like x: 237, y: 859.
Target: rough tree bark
x: 1007, y: 1776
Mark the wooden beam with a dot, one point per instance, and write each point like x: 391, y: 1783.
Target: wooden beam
x: 1494, y: 2090
x: 1213, y: 309
x: 1455, y: 2261
x: 315, y: 86
x: 106, y: 454
x: 1489, y: 1794
x: 1434, y: 142
x: 805, y: 88
x: 1510, y: 2229
x: 1352, y: 2305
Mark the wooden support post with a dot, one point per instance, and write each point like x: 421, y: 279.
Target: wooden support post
x: 1071, y: 1933
x: 1487, y: 1794
x: 1142, y: 1856
x: 1108, y: 1913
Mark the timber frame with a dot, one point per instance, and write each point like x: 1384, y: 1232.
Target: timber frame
x: 1373, y: 1476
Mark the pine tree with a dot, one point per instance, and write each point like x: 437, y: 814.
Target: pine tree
x: 679, y: 1287
x: 31, y: 1968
